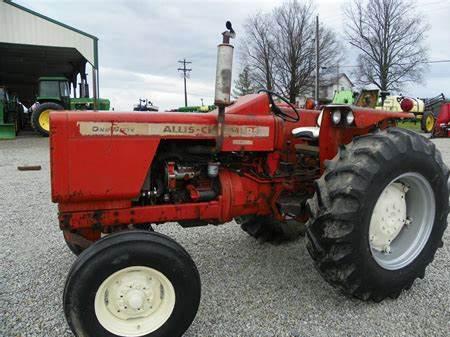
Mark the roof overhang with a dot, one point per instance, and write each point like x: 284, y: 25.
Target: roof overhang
x: 33, y: 46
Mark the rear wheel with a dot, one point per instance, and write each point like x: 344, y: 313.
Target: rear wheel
x: 379, y: 214
x: 266, y: 229
x: 40, y: 118
x: 427, y: 122
x: 132, y: 284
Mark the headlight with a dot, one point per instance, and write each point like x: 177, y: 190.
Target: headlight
x: 350, y: 118
x: 336, y: 117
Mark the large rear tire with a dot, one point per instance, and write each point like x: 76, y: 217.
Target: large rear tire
x: 40, y: 118
x: 379, y: 214
x: 132, y: 284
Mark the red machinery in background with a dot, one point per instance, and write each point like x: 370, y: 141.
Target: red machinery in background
x: 442, y: 124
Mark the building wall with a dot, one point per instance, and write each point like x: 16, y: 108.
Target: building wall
x: 327, y: 92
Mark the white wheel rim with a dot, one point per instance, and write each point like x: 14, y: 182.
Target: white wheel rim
x: 134, y: 301
x: 402, y: 221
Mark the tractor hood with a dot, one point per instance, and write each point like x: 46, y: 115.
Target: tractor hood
x: 92, y: 151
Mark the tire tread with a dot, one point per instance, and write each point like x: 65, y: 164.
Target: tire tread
x: 332, y: 222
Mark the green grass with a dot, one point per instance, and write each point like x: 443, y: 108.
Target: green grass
x: 410, y: 125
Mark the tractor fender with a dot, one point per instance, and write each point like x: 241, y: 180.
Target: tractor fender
x: 332, y: 136
x: 367, y: 117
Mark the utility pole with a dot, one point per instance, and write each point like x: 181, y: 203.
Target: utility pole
x: 316, y: 91
x: 185, y: 75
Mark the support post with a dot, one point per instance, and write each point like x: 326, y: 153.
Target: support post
x: 316, y: 91
x: 185, y: 92
x: 95, y: 88
x: 97, y: 72
x: 185, y: 74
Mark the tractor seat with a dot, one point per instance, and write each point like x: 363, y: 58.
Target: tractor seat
x: 309, y: 132
x: 306, y: 132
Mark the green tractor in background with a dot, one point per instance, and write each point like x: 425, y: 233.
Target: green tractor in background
x: 54, y: 94
x: 344, y: 97
x: 11, y: 114
x: 199, y: 108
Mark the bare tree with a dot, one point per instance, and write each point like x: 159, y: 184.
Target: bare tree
x: 295, y: 61
x: 257, y: 50
x: 294, y: 48
x: 389, y: 35
x: 287, y: 38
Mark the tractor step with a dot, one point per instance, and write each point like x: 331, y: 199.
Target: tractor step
x: 7, y: 131
x: 292, y: 204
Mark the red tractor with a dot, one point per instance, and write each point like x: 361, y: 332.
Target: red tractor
x: 372, y: 198
x: 441, y: 126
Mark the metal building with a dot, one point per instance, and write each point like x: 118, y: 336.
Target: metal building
x: 33, y: 45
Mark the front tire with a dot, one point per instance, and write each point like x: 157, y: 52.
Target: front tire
x: 379, y: 214
x: 77, y: 247
x: 132, y: 284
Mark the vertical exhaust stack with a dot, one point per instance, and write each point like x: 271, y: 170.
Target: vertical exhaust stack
x: 222, y: 97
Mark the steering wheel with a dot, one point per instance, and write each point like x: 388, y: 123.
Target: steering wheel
x: 277, y: 111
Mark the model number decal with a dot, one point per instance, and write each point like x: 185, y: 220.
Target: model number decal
x: 242, y: 142
x: 163, y: 129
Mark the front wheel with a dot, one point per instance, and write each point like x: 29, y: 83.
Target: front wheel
x: 40, y: 118
x: 132, y: 284
x: 379, y: 214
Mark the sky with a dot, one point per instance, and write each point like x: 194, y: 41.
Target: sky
x: 141, y: 41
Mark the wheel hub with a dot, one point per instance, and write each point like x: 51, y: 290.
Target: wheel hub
x: 401, y: 221
x: 44, y: 120
x: 389, y: 217
x: 130, y: 296
x: 134, y: 301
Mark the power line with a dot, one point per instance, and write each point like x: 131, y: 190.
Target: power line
x: 404, y: 64
x: 438, y: 61
x: 185, y: 75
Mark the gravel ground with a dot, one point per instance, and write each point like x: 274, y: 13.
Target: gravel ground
x: 248, y: 288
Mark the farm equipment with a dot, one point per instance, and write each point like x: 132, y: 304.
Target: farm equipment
x: 199, y: 108
x: 145, y: 105
x: 441, y: 126
x: 394, y: 103
x: 372, y: 198
x: 431, y: 112
x: 54, y: 94
x: 343, y: 97
x: 11, y: 115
